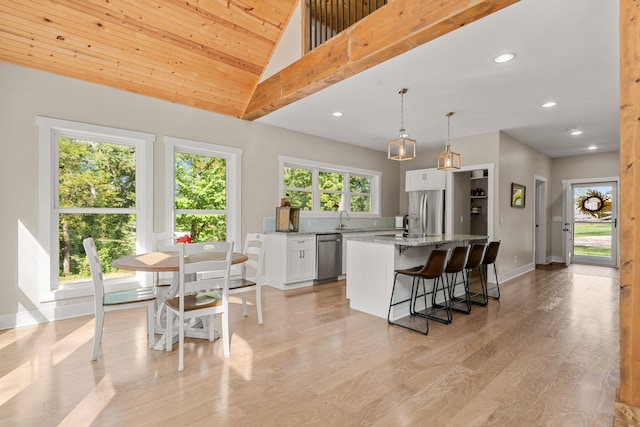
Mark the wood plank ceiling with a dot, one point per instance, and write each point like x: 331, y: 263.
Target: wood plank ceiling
x: 203, y: 53
x: 210, y: 54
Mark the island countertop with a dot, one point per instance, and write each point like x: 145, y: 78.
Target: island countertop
x: 417, y: 239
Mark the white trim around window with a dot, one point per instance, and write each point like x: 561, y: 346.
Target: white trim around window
x: 233, y: 158
x: 49, y: 130
x: 316, y: 167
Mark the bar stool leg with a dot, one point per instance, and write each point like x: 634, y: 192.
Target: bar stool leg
x: 407, y: 323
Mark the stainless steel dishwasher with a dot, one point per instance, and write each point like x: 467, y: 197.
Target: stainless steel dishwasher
x: 328, y: 257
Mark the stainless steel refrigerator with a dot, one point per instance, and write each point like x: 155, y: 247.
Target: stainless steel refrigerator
x: 426, y: 212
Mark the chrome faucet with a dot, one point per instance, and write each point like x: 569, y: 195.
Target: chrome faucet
x: 341, y: 225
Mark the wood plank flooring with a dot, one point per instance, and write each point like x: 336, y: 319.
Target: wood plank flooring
x: 546, y: 354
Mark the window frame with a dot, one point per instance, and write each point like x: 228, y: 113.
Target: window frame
x: 49, y: 130
x: 347, y: 171
x: 233, y: 157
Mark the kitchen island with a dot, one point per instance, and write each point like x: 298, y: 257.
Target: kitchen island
x: 372, y: 260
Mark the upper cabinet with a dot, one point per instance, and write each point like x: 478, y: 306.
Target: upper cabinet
x: 424, y: 179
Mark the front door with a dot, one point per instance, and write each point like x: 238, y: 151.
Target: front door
x: 591, y: 223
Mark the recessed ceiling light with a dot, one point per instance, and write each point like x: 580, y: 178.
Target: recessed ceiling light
x: 575, y: 132
x: 505, y: 57
x: 337, y: 114
x: 549, y: 104
x: 592, y: 147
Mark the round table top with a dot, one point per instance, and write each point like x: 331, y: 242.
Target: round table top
x: 166, y: 261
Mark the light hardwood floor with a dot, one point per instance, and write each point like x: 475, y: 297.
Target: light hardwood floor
x: 546, y: 354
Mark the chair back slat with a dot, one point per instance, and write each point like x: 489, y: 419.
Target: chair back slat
x: 195, y: 258
x: 96, y: 270
x: 254, y: 248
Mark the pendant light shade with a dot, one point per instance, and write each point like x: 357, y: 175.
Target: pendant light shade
x: 402, y: 148
x: 448, y: 160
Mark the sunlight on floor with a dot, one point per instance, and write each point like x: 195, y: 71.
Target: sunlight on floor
x: 72, y: 342
x: 93, y: 403
x: 20, y: 378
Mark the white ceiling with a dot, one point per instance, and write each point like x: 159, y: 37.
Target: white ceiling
x: 566, y: 50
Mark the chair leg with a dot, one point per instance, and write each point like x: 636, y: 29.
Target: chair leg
x: 410, y: 300
x: 151, y: 321
x: 168, y: 333
x: 180, y: 344
x: 225, y: 334
x: 496, y: 287
x: 452, y: 280
x: 259, y: 302
x: 97, y: 334
x: 245, y: 312
x: 211, y: 326
x: 482, y: 294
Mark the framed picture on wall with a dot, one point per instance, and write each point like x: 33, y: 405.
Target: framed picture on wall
x: 517, y: 195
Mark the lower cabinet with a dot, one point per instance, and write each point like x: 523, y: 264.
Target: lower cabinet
x: 290, y: 259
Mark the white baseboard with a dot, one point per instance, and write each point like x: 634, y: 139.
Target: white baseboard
x: 25, y: 318
x: 517, y: 272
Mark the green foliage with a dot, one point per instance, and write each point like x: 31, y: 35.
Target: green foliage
x: 201, y: 184
x: 94, y: 175
x: 298, y: 185
x: 298, y: 178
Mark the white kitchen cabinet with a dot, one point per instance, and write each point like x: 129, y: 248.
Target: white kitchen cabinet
x: 424, y: 179
x: 360, y: 234
x: 290, y: 260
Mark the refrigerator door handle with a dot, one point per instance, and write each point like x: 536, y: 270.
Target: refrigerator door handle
x: 423, y: 220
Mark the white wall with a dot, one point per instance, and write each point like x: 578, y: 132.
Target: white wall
x: 519, y: 163
x: 28, y: 93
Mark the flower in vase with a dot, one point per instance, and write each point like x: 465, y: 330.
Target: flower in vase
x: 183, y: 239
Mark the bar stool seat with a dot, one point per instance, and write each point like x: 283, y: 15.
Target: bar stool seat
x: 455, y: 266
x: 418, y: 318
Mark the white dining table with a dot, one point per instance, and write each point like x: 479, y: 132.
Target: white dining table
x: 168, y: 261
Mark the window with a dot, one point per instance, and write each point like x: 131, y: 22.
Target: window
x: 322, y: 189
x: 204, y: 195
x: 95, y: 182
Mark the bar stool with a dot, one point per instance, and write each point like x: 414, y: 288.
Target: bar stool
x: 456, y: 265
x: 476, y: 255
x: 432, y: 269
x: 490, y: 256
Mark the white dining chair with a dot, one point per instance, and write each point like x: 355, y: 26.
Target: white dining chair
x: 253, y: 276
x: 164, y: 242
x: 112, y: 301
x: 201, y: 297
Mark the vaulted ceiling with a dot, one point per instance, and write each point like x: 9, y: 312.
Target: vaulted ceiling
x: 211, y: 54
x: 205, y: 54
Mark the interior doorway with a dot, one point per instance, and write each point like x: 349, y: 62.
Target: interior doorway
x: 540, y: 221
x: 469, y: 202
x: 591, y: 222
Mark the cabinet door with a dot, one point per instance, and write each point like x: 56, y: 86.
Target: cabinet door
x: 424, y: 179
x: 301, y: 259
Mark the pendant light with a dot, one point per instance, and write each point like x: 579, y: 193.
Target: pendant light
x: 448, y: 160
x: 402, y: 148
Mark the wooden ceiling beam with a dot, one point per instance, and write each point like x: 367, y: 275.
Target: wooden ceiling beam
x: 394, y: 29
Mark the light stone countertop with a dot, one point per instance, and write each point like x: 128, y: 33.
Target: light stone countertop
x: 418, y: 240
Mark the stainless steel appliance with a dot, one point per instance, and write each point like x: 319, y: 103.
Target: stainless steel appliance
x: 328, y: 257
x: 426, y: 212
